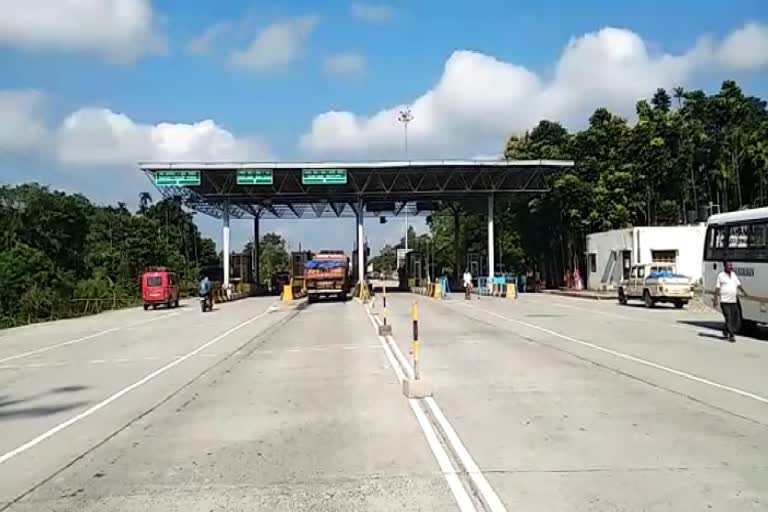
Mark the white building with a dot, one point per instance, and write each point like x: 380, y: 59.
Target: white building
x: 610, y: 254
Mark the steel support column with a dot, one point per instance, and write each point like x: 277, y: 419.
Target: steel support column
x: 491, y: 241
x: 360, y: 243
x: 257, y: 248
x: 225, y: 242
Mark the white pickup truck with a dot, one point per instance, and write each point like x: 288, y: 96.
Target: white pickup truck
x: 655, y: 283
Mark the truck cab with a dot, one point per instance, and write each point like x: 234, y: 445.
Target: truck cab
x: 655, y: 283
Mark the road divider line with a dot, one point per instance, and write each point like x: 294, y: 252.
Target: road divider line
x: 88, y: 412
x: 460, y: 494
x: 487, y: 494
x: 632, y: 358
x: 484, y: 489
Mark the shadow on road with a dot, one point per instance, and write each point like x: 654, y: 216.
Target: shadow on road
x: 759, y: 334
x: 32, y: 411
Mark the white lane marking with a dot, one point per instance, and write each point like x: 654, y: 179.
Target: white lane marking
x: 446, y: 467
x: 58, y: 345
x: 97, y: 361
x: 293, y: 350
x: 489, y: 496
x: 43, y: 365
x: 84, y: 338
x: 150, y: 320
x: 61, y: 426
x: 632, y: 358
x: 151, y: 358
x: 121, y: 360
x: 318, y: 349
x: 443, y: 461
x: 349, y: 348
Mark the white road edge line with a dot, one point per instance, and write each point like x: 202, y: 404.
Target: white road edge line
x: 58, y: 345
x: 84, y: 338
x: 632, y: 358
x: 443, y: 461
x: 61, y: 426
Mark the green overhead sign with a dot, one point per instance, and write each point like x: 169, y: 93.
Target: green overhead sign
x: 254, y: 177
x: 177, y: 178
x: 324, y: 176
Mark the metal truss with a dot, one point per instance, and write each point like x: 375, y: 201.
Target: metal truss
x: 386, y: 190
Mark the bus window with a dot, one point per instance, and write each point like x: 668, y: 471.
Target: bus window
x: 715, y: 243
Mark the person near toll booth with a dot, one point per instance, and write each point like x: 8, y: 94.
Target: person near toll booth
x: 467, y: 284
x: 727, y: 291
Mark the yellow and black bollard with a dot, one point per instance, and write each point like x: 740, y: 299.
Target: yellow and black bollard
x: 416, y: 387
x: 384, y: 328
x: 415, y: 342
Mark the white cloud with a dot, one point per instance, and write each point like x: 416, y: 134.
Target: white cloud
x: 345, y: 64
x: 372, y: 13
x: 275, y: 47
x: 480, y: 100
x: 121, y: 30
x: 92, y: 136
x: 22, y: 128
x: 746, y: 48
x: 201, y: 45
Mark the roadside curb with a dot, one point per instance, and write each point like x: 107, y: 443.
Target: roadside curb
x: 580, y: 295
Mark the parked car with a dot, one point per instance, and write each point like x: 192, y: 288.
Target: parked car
x: 656, y: 283
x: 160, y: 287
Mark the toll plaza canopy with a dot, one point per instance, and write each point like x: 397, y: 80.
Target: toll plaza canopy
x: 335, y: 189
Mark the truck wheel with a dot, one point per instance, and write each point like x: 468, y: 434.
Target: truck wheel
x: 622, y: 297
x: 649, y: 302
x: 146, y: 307
x: 679, y: 304
x: 176, y: 303
x: 311, y: 299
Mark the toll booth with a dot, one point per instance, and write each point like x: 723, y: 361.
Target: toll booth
x: 477, y: 264
x: 412, y: 274
x: 296, y: 270
x: 241, y: 268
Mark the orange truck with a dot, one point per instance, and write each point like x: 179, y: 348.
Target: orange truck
x: 327, y: 274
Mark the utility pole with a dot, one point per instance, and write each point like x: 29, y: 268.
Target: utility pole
x: 405, y: 116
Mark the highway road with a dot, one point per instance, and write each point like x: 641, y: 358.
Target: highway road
x: 541, y: 403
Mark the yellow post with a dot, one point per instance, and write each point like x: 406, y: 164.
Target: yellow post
x: 511, y: 291
x: 415, y: 342
x: 436, y: 291
x: 288, y: 293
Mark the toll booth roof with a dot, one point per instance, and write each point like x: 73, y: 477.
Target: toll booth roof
x: 336, y: 189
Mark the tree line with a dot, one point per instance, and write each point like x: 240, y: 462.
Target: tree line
x: 684, y: 153
x: 62, y: 256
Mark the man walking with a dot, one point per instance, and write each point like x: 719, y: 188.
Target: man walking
x: 467, y: 284
x: 726, y: 295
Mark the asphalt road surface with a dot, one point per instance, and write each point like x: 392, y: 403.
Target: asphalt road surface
x: 541, y: 403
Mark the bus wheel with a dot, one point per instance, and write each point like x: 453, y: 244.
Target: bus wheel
x: 648, y: 299
x: 622, y: 297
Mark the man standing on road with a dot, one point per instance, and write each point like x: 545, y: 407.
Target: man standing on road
x: 467, y: 284
x: 726, y: 295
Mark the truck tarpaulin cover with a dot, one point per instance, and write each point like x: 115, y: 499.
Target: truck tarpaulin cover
x: 328, y: 264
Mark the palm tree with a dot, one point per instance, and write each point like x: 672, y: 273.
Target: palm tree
x: 678, y: 93
x: 145, y: 199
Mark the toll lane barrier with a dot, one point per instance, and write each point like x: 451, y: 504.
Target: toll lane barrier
x: 220, y: 295
x: 435, y: 290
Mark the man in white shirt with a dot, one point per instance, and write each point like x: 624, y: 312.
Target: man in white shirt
x: 467, y: 284
x: 727, y: 295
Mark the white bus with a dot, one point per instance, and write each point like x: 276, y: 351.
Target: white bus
x: 741, y: 238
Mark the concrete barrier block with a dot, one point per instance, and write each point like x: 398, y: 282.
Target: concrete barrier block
x: 420, y: 388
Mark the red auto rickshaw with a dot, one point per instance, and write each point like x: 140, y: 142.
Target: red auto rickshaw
x: 160, y: 286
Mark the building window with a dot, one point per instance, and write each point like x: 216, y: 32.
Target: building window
x: 664, y: 256
x: 593, y: 263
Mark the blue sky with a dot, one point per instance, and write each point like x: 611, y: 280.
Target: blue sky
x: 85, y: 93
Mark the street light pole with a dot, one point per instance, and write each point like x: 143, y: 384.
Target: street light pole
x: 405, y: 116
